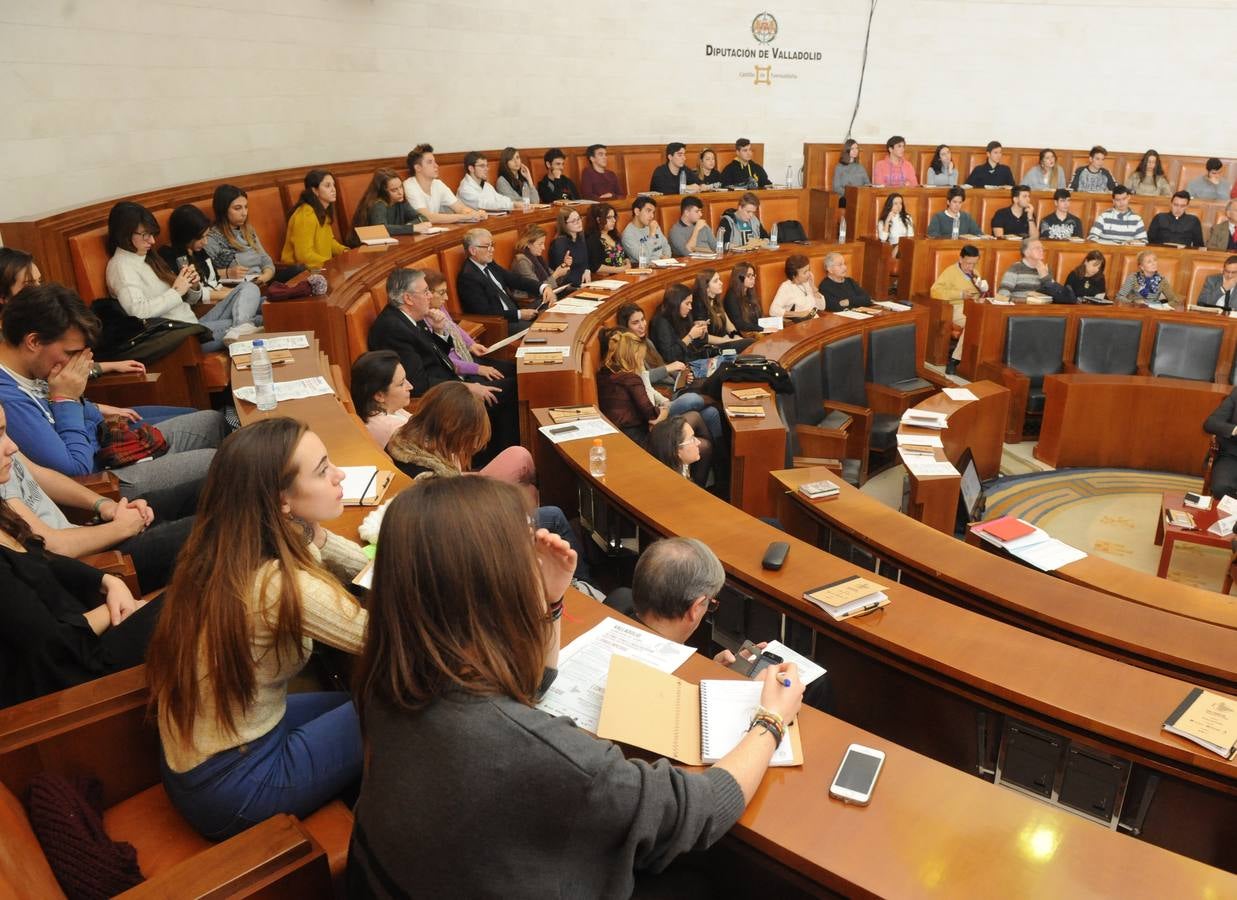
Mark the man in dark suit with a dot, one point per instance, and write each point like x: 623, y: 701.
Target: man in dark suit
x: 1223, y: 424
x: 486, y: 289
x: 408, y: 327
x: 1221, y: 289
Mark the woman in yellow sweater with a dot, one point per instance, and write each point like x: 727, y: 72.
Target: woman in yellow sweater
x: 310, y: 241
x: 257, y: 582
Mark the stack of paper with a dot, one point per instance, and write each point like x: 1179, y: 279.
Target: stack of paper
x: 607, y: 284
x: 578, y: 430
x: 1028, y: 543
x: 848, y: 597
x: 893, y: 306
x: 583, y: 665
x: 525, y: 350
x: 1207, y: 719
x: 924, y: 466
x: 922, y: 418
x: 669, y: 263
x: 851, y: 314
x: 576, y: 306
x: 960, y: 395
x: 920, y: 443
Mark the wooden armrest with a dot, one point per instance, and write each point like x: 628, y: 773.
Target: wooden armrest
x: 858, y: 412
x: 889, y: 400
x: 277, y: 857
x: 104, y: 483
x: 472, y: 329
x: 118, y: 389
x: 113, y: 562
x: 807, y: 462
x: 62, y: 733
x: 1144, y: 369
x: 941, y: 381
x: 823, y: 442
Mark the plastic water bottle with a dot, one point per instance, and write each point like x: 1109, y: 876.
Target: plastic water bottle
x: 597, y: 459
x: 263, y: 375
x: 790, y: 176
x: 773, y: 236
x: 842, y: 230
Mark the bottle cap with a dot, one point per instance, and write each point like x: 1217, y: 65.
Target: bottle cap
x: 596, y: 442
x: 259, y: 343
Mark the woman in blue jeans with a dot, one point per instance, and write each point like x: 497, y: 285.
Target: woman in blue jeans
x: 257, y: 582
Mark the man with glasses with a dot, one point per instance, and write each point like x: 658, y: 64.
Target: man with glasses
x: 475, y: 189
x: 419, y: 335
x: 1223, y: 234
x: 487, y: 289
x: 691, y: 233
x: 1221, y: 289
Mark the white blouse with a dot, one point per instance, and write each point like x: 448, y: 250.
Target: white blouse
x: 144, y: 294
x: 793, y: 299
x: 896, y: 231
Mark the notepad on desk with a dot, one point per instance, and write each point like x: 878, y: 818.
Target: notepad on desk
x: 848, y: 597
x: 277, y: 357
x: 373, y: 235
x: 746, y: 412
x: 750, y: 393
x: 694, y: 724
x: 1207, y: 719
x: 560, y: 414
x: 364, y: 485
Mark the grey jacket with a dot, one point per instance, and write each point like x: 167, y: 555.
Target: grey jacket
x: 485, y: 797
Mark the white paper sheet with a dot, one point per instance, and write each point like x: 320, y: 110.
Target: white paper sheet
x: 851, y: 314
x: 1048, y: 555
x: 961, y: 395
x: 607, y: 284
x: 895, y: 307
x: 669, y: 263
x: 584, y: 664
x: 284, y: 342
x: 1224, y: 526
x: 808, y: 670
x: 920, y: 440
x: 771, y: 323
x: 358, y: 479
x: 925, y: 419
x: 577, y: 430
x: 498, y: 345
x: 523, y: 351
x: 1227, y: 505
x: 288, y: 390
x: 926, y: 466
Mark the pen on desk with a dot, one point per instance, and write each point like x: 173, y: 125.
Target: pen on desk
x: 864, y: 610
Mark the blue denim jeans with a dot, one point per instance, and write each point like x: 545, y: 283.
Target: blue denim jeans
x: 241, y: 305
x: 308, y: 759
x: 689, y: 402
x: 153, y: 415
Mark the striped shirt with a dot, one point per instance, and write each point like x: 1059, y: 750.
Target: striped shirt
x: 1020, y: 279
x: 1114, y: 227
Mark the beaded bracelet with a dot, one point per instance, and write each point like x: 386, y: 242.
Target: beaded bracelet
x: 556, y: 610
x: 770, y: 726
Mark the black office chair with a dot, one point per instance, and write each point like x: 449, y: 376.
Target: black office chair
x: 1034, y: 347
x: 894, y: 382
x: 1107, y: 346
x: 846, y: 396
x: 1185, y: 351
x: 803, y: 412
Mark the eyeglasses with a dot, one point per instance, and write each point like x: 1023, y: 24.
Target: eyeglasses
x: 143, y: 235
x: 483, y: 246
x: 714, y: 603
x: 689, y: 440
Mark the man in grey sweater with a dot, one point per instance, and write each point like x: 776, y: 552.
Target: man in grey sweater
x: 1028, y: 274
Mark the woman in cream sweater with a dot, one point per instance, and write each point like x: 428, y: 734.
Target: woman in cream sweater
x: 257, y: 582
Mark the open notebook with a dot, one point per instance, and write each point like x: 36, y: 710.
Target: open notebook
x: 697, y: 725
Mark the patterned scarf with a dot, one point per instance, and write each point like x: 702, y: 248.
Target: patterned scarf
x: 1148, y: 287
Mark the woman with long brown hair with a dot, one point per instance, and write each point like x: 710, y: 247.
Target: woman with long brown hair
x: 465, y: 636
x: 448, y: 429
x: 62, y: 622
x: 257, y: 582
x: 310, y: 240
x: 707, y: 305
x: 528, y: 259
x: 384, y: 204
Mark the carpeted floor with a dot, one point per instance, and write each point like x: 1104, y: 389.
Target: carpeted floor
x: 1111, y: 513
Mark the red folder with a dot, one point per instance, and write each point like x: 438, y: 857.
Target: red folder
x: 1006, y: 528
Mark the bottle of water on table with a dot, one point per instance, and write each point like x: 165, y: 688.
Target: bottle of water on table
x: 597, y: 459
x: 263, y: 376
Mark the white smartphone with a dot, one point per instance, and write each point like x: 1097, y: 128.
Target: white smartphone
x: 856, y: 777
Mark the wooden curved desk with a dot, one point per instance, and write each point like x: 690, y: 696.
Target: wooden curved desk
x: 1127, y: 422
x: 928, y: 667
x: 930, y: 831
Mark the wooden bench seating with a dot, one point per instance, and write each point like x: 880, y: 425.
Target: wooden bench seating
x: 100, y: 729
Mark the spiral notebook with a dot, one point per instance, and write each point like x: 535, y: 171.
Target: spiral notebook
x: 696, y: 725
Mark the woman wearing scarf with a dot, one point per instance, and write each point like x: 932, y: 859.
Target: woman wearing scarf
x: 1146, y: 284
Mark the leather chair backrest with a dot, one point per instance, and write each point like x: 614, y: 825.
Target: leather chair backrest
x: 504, y: 247
x: 1034, y: 344
x: 24, y: 871
x: 809, y: 389
x: 636, y: 170
x: 1186, y: 351
x: 891, y: 354
x: 786, y: 409
x: 452, y: 260
x: 268, y: 218
x: 1108, y: 346
x: 351, y: 188
x: 843, y: 371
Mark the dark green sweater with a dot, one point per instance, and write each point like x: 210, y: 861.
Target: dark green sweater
x: 486, y: 797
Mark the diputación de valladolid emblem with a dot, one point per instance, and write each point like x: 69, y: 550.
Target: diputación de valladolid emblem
x: 764, y: 27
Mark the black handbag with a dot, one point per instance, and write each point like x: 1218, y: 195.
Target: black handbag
x: 754, y: 369
x: 147, y: 340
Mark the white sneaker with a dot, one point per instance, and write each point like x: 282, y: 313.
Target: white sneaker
x: 238, y: 332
